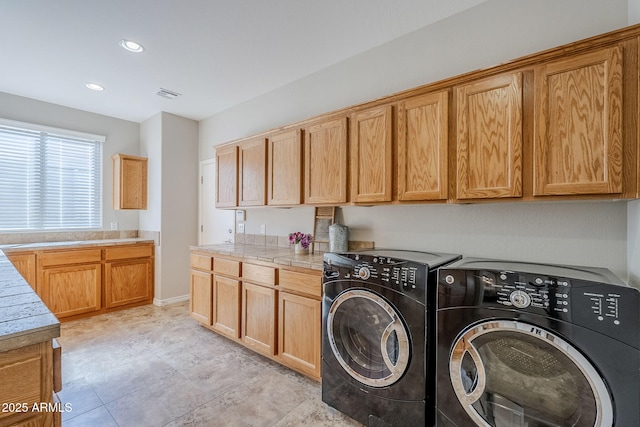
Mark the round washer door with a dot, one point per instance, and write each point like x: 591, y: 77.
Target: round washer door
x: 516, y: 374
x: 368, y: 337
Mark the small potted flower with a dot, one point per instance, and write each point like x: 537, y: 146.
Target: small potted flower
x: 301, y: 242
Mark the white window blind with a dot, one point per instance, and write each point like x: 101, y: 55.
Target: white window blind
x: 49, y: 180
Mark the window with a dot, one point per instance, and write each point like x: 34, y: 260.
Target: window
x: 50, y: 179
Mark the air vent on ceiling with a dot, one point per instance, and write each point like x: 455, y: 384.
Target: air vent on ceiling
x: 165, y: 93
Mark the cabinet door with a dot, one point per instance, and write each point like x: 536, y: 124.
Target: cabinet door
x: 299, y: 333
x: 25, y: 263
x: 200, y: 307
x: 226, y: 306
x: 489, y: 138
x: 325, y: 162
x: 252, y: 163
x: 68, y: 291
x: 259, y: 318
x: 227, y: 177
x: 578, y: 131
x: 284, y: 170
x: 129, y: 182
x: 423, y: 137
x: 371, y: 155
x: 128, y: 282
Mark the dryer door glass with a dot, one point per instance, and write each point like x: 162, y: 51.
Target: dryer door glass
x: 508, y: 373
x: 368, y: 338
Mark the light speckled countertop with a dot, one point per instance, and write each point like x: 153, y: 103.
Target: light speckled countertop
x: 70, y: 245
x: 24, y: 319
x: 282, y: 255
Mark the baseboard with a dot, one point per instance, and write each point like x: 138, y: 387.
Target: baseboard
x: 161, y: 302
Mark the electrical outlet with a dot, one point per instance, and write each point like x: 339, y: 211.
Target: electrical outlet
x: 114, y: 226
x: 263, y: 229
x: 241, y: 227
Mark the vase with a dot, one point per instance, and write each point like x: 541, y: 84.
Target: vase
x: 299, y: 249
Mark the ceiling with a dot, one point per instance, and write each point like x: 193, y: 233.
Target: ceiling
x: 215, y: 53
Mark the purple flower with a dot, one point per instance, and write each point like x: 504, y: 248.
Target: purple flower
x: 302, y: 238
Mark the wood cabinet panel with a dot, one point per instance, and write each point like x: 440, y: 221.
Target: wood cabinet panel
x: 259, y: 318
x: 259, y: 273
x: 490, y: 138
x: 303, y: 283
x: 371, y: 155
x: 226, y: 306
x: 252, y: 164
x: 128, y: 252
x: 200, y: 305
x: 79, y: 256
x: 201, y: 262
x: 128, y: 282
x: 71, y: 290
x: 299, y: 333
x: 129, y: 182
x: 578, y: 132
x: 227, y: 177
x: 423, y: 138
x: 325, y: 162
x: 226, y: 267
x: 25, y: 263
x: 27, y: 379
x: 284, y: 168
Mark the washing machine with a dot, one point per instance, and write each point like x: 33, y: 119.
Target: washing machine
x: 524, y: 344
x: 378, y: 325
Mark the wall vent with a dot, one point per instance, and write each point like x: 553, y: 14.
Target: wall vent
x: 169, y: 94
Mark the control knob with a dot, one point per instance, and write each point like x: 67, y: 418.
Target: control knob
x: 520, y: 299
x: 364, y: 273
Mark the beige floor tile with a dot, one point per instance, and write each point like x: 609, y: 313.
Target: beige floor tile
x: 99, y: 417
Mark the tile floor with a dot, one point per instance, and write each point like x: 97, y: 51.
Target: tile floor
x: 155, y: 366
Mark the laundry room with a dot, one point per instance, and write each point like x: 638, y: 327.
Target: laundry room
x: 363, y: 213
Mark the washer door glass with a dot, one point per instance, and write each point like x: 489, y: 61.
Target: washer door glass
x: 509, y: 373
x: 368, y: 338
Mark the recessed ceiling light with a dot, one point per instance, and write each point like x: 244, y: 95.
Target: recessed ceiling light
x: 131, y: 46
x: 94, y: 86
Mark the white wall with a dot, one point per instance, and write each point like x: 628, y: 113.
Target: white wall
x: 170, y: 143
x: 122, y: 137
x: 587, y: 233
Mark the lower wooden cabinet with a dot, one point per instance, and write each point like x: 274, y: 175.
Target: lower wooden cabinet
x: 69, y: 291
x: 26, y: 375
x: 226, y: 306
x: 89, y: 280
x: 271, y: 310
x: 259, y: 318
x: 299, y: 333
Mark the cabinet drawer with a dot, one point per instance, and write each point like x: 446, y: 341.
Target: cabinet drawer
x: 126, y: 252
x: 82, y: 256
x: 301, y: 282
x: 259, y: 273
x: 201, y: 262
x: 226, y: 267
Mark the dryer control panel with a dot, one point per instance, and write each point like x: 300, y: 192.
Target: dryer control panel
x: 612, y: 309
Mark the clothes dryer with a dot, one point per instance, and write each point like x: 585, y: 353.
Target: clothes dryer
x: 378, y: 331
x: 523, y: 344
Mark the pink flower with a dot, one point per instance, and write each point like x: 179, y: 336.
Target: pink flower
x: 302, y: 238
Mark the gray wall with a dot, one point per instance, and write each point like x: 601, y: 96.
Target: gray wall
x: 587, y: 233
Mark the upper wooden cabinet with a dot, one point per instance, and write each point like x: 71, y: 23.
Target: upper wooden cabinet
x: 252, y: 164
x: 284, y: 168
x: 423, y: 137
x: 129, y: 182
x: 489, y: 138
x: 227, y: 177
x: 578, y: 127
x: 371, y: 155
x: 325, y: 162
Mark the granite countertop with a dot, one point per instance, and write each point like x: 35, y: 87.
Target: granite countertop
x: 24, y: 319
x: 71, y: 245
x: 282, y: 255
